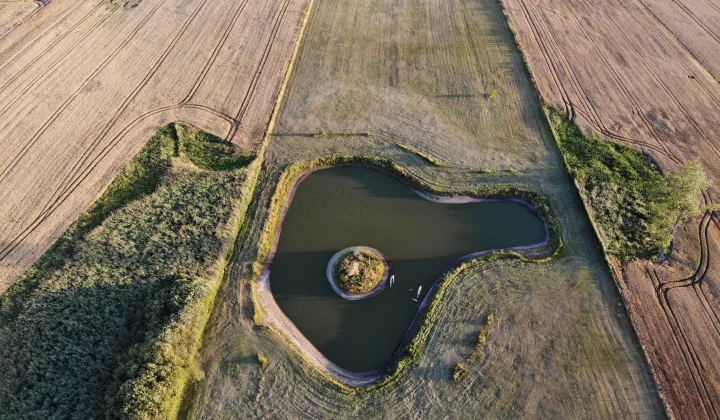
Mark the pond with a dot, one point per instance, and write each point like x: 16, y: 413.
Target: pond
x: 347, y: 206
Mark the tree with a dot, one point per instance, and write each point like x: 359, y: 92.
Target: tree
x: 680, y: 200
x: 686, y: 185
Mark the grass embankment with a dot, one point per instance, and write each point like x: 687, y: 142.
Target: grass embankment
x: 358, y: 272
x: 634, y: 205
x: 108, y: 321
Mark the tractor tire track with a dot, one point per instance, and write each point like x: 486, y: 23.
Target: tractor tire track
x: 594, y: 118
x: 619, y: 82
x: 14, y: 25
x: 694, y: 17
x: 48, y: 30
x: 648, y: 12
x: 259, y: 69
x: 681, y: 343
x: 5, y: 251
x: 215, y: 53
x: 687, y: 350
x: 28, y: 145
x: 554, y: 74
x: 88, y: 152
x: 51, y: 66
x: 557, y: 51
x: 688, y: 116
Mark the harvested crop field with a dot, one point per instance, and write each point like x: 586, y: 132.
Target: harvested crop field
x: 14, y: 12
x: 83, y: 84
x: 644, y: 73
x: 439, y: 89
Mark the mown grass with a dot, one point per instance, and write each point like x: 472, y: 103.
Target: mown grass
x: 108, y: 322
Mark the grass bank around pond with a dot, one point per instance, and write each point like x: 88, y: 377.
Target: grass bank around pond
x: 413, y: 344
x: 108, y: 322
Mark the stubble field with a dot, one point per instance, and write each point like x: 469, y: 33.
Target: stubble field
x: 440, y: 89
x: 83, y: 84
x: 644, y: 73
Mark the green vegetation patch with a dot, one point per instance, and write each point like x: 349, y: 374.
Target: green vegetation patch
x: 107, y: 323
x: 358, y: 272
x: 636, y: 207
x: 210, y: 152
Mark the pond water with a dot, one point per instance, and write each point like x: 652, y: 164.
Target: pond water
x: 347, y: 206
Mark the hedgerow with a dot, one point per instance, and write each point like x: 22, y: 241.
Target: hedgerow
x: 108, y: 322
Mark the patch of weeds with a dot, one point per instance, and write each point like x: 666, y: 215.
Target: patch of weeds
x: 322, y: 133
x: 484, y: 337
x: 460, y: 371
x: 263, y: 361
x: 424, y: 156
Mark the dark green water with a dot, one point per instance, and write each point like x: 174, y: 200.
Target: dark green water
x: 341, y: 207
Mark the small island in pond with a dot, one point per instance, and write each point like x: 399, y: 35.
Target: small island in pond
x: 358, y: 272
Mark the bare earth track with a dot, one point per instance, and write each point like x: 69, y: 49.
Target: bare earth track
x: 84, y: 83
x: 644, y: 73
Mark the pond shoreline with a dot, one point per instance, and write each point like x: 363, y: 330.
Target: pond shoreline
x: 275, y: 318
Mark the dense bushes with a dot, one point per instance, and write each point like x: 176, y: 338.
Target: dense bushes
x: 635, y: 206
x: 140, y: 177
x: 108, y: 321
x: 210, y: 152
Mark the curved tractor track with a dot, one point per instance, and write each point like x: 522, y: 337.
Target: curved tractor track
x: 14, y: 24
x: 618, y: 70
x: 74, y: 110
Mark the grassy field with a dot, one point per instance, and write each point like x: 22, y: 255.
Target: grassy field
x: 108, y: 322
x: 521, y: 339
